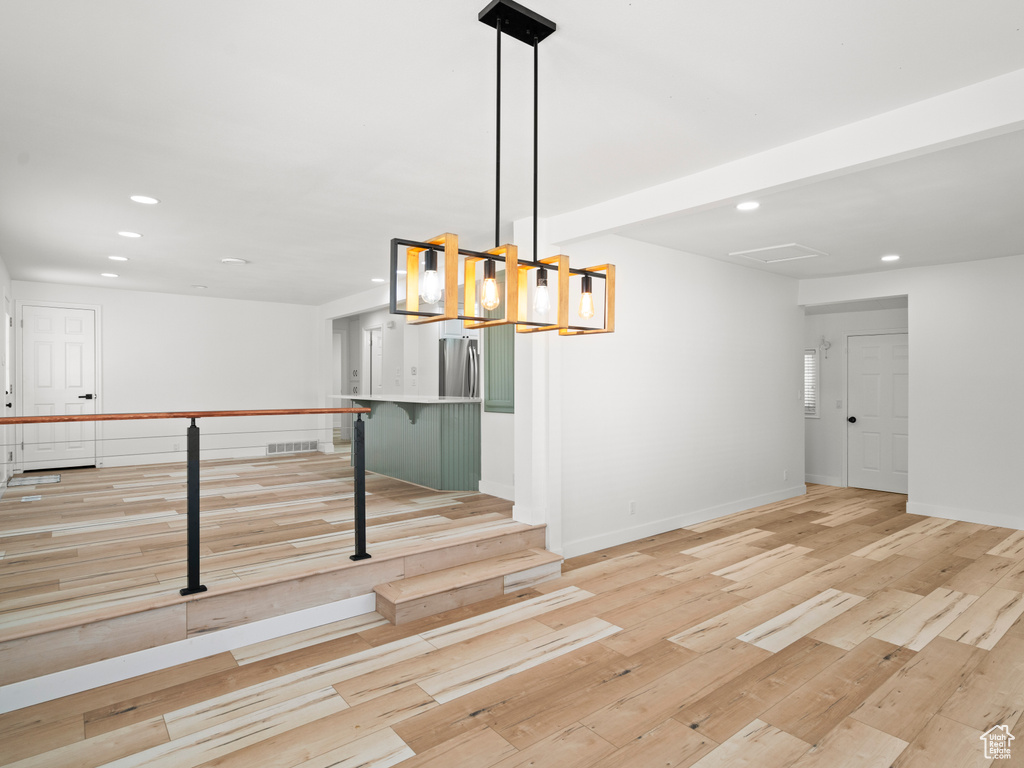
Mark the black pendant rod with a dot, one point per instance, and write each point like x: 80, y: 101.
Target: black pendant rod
x: 536, y: 256
x: 497, y: 149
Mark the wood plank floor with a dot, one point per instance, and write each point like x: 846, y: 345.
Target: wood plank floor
x: 107, y: 542
x: 829, y: 631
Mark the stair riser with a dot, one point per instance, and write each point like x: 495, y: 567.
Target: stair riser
x: 458, y: 597
x: 472, y: 552
x: 529, y: 578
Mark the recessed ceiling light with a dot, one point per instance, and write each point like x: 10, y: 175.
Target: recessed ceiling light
x: 129, y: 234
x: 749, y: 205
x: 891, y: 257
x: 201, y: 287
x: 107, y: 274
x: 376, y: 279
x: 233, y: 261
x: 118, y: 258
x: 144, y: 199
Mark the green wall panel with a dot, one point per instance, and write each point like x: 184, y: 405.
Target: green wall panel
x: 499, y: 363
x: 441, y: 450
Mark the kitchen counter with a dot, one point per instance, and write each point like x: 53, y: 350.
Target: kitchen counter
x: 430, y: 441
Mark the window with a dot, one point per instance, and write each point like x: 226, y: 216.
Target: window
x: 810, y: 383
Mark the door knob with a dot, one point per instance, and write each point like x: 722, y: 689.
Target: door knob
x: 86, y: 397
x: 852, y: 419
x: 10, y: 405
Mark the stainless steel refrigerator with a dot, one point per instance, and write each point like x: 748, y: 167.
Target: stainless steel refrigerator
x: 459, y: 368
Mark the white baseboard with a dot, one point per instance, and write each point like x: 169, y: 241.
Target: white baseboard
x: 824, y: 480
x: 664, y: 525
x: 69, y: 681
x: 999, y: 519
x: 502, y: 491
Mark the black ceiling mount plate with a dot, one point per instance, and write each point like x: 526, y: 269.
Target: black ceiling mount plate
x: 516, y: 21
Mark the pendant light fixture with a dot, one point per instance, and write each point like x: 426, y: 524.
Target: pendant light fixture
x: 514, y: 20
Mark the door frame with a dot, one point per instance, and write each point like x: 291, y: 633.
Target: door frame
x: 17, y: 375
x: 367, y: 357
x: 846, y: 390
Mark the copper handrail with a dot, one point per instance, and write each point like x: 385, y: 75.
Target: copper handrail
x: 170, y: 415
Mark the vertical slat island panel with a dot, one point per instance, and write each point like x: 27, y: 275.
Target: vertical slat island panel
x: 434, y: 442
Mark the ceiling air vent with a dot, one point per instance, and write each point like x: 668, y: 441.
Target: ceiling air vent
x: 776, y: 253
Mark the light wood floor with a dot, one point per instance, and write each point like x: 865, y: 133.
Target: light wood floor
x: 833, y: 630
x: 111, y: 541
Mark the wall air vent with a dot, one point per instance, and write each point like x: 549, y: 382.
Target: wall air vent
x: 302, y: 446
x: 776, y: 253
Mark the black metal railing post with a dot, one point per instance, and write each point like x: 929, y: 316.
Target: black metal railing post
x: 359, y: 461
x: 192, y: 474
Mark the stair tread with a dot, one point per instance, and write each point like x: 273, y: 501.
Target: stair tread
x: 416, y: 587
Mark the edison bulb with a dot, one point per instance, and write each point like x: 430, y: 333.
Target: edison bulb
x: 587, y: 306
x: 430, y: 287
x: 490, y: 298
x: 541, y: 297
x: 542, y: 300
x: 587, y: 298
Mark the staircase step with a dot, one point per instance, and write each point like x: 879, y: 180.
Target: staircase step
x: 431, y: 593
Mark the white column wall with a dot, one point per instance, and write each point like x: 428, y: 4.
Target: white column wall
x: 966, y: 378
x: 692, y: 409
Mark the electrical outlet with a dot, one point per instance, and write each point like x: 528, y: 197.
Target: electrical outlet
x: 632, y: 508
x: 177, y: 446
x: 414, y: 370
x: 785, y: 474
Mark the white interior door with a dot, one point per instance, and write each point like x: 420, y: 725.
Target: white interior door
x: 58, y: 364
x: 878, y: 401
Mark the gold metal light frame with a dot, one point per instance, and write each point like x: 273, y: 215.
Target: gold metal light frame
x: 449, y: 307
x: 609, y: 304
x: 561, y: 262
x: 510, y: 255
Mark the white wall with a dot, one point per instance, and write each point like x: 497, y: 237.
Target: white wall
x: 824, y: 436
x: 691, y: 409
x: 165, y: 352
x: 966, y: 322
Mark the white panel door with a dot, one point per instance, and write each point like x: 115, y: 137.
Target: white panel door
x: 58, y: 364
x: 876, y: 429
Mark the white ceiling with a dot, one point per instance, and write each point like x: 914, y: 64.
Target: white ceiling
x: 958, y: 204
x: 304, y: 135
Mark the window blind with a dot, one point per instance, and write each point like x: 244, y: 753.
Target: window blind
x: 810, y: 383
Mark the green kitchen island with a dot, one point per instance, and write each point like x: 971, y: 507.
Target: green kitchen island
x: 430, y: 441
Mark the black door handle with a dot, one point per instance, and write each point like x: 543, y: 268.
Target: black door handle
x: 86, y: 397
x: 10, y: 405
x: 852, y: 419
